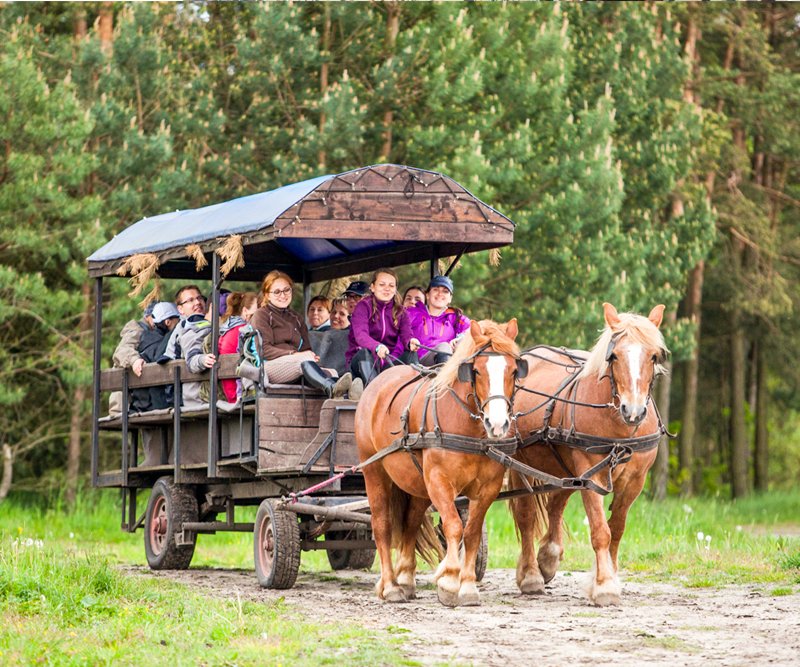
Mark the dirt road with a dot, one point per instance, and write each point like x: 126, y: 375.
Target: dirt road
x: 657, y: 623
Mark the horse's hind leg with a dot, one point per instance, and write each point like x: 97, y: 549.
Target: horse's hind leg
x: 551, y: 548
x: 523, y: 508
x: 406, y: 568
x: 605, y: 588
x: 448, y: 574
x: 380, y: 491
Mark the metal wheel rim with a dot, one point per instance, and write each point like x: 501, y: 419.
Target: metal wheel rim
x: 266, y: 546
x: 158, y: 526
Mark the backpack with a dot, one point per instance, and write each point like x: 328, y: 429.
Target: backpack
x: 250, y: 367
x: 151, y: 346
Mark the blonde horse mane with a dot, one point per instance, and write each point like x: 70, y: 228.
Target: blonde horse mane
x: 492, y: 333
x: 638, y: 329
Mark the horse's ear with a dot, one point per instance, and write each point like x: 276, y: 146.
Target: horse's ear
x: 465, y: 372
x: 475, y: 330
x: 610, y: 313
x: 657, y: 314
x: 512, y: 329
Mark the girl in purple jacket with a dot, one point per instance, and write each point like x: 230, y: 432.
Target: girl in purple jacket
x: 436, y: 324
x: 380, y: 330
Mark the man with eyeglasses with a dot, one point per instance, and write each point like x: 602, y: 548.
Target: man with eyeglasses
x: 187, y: 339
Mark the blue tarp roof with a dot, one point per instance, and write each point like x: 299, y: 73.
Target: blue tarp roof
x: 237, y: 216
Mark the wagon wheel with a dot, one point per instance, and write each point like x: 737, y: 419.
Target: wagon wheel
x: 350, y: 559
x: 170, y: 505
x: 276, y: 546
x: 482, y: 557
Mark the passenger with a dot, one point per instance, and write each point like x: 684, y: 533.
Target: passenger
x: 186, y: 342
x: 126, y: 354
x: 437, y: 325
x: 151, y: 346
x: 340, y: 315
x: 223, y: 300
x: 318, y: 313
x: 412, y: 296
x: 355, y: 291
x: 286, y: 346
x: 380, y: 330
x: 240, y: 307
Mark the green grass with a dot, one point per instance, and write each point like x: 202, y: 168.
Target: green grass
x: 64, y: 601
x: 661, y: 540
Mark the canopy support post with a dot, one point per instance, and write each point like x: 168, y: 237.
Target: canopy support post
x: 213, y: 423
x: 98, y: 341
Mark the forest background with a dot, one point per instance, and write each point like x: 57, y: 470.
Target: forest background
x: 648, y: 153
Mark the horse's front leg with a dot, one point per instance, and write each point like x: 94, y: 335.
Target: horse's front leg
x: 406, y: 567
x: 468, y: 594
x: 379, y: 491
x: 626, y: 490
x: 551, y: 548
x: 605, y: 588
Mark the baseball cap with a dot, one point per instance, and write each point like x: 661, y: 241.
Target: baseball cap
x: 441, y: 281
x: 163, y: 310
x: 148, y: 309
x: 358, y: 287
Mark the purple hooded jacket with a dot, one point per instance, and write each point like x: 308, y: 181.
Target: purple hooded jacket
x: 368, y: 333
x: 430, y: 330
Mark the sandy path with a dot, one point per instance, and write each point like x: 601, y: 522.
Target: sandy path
x: 656, y: 624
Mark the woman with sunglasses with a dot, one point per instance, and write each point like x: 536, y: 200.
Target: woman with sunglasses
x: 285, y: 343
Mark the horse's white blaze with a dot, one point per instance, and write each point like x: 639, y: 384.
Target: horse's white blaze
x: 634, y: 366
x: 497, y: 412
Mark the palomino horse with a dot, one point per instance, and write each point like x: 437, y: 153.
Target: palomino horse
x: 593, y: 419
x: 425, y: 441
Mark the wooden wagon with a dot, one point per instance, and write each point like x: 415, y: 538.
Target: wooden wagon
x: 200, y: 465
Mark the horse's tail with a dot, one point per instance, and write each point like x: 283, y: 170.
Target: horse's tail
x: 538, y: 506
x: 428, y: 545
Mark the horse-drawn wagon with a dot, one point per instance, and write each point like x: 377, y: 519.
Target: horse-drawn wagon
x: 201, y: 464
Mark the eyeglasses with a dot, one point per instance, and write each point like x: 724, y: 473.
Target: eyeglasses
x: 199, y: 299
x: 281, y: 292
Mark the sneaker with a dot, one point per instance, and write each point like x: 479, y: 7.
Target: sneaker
x: 356, y: 389
x: 342, y: 386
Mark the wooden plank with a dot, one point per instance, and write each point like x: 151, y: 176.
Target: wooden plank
x: 154, y: 375
x: 393, y: 207
x: 289, y: 411
x: 390, y: 231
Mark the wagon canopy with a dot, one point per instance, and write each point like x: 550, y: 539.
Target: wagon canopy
x: 322, y: 228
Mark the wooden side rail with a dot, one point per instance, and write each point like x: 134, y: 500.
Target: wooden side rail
x: 155, y: 375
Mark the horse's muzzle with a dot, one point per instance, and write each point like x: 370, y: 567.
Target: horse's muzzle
x: 632, y: 415
x: 496, y: 432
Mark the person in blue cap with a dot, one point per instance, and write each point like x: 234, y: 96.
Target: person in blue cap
x: 436, y: 324
x: 355, y: 291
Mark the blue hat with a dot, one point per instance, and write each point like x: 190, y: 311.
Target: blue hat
x: 357, y: 287
x: 441, y: 281
x: 163, y: 310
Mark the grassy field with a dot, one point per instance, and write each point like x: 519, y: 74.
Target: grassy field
x: 59, y: 585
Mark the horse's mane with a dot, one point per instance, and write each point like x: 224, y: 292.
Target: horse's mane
x: 637, y: 328
x: 493, y: 334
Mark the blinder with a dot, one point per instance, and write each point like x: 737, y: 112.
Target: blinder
x: 522, y: 368
x: 466, y: 373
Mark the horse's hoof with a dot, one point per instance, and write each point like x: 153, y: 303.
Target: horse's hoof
x: 448, y: 598
x: 532, y: 586
x: 472, y: 599
x: 409, y: 592
x: 548, y: 559
x: 606, y: 600
x: 394, y: 595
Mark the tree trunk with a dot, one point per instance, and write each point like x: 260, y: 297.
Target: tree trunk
x: 105, y: 27
x: 662, y: 399
x: 392, y: 30
x: 322, y: 156
x: 761, y: 457
x: 8, y: 472
x: 739, y: 448
x: 76, y: 417
x: 688, y: 436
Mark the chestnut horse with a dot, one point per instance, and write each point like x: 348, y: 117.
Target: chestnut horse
x: 590, y: 418
x: 421, y: 441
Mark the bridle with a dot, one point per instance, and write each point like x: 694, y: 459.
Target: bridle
x: 611, y: 357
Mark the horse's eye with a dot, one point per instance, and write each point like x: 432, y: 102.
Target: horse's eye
x: 612, y: 357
